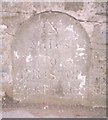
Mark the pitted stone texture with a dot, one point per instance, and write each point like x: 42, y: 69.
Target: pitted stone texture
x: 101, y: 8
x: 50, y: 57
x: 17, y: 7
x: 97, y: 11
x: 47, y: 6
x: 16, y: 11
x: 5, y: 71
x: 74, y: 6
x: 99, y: 35
x: 90, y: 12
x: 97, y: 73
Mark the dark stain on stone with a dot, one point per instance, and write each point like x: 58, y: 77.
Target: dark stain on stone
x: 74, y: 6
x: 8, y: 101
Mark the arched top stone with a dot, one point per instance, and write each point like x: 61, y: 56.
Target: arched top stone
x: 50, y: 57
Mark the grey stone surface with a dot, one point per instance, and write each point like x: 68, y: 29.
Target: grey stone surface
x: 49, y: 57
x: 74, y: 6
x: 46, y: 41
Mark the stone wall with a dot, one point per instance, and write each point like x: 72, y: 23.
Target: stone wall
x: 80, y: 80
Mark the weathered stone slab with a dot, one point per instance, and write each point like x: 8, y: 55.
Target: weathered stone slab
x: 50, y: 58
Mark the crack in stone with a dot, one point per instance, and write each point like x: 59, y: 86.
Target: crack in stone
x: 80, y: 20
x: 18, y: 12
x: 91, y: 21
